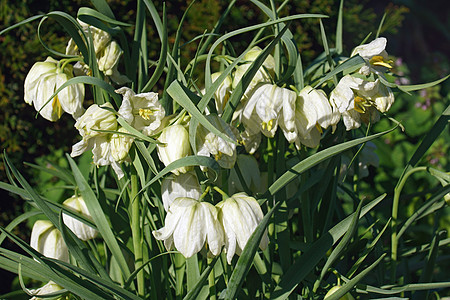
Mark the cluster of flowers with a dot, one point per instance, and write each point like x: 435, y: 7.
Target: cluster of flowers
x: 190, y: 222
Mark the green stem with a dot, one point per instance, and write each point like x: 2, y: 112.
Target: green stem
x: 136, y: 231
x: 212, y: 282
x: 394, y: 223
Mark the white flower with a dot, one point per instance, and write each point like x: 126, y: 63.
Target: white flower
x: 240, y: 215
x: 250, y: 172
x: 183, y: 185
x: 47, y: 289
x: 46, y: 239
x: 142, y: 111
x: 91, y: 123
x: 81, y: 230
x: 208, y: 143
x: 358, y: 100
x: 375, y: 56
x: 190, y: 223
x: 263, y: 75
x: 109, y: 58
x: 42, y: 81
x: 175, y: 145
x: 222, y: 93
x: 267, y: 101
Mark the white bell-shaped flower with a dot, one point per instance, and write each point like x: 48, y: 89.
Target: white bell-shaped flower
x: 224, y: 152
x: 174, y: 145
x: 49, y: 288
x: 190, y: 223
x: 176, y: 186
x: 222, y: 93
x: 47, y: 240
x: 375, y: 56
x: 142, y: 111
x: 267, y: 101
x: 81, y: 230
x: 42, y: 81
x: 109, y: 58
x: 240, y: 215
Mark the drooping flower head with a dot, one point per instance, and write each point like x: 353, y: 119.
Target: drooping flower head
x: 188, y: 225
x: 176, y: 186
x: 174, y: 145
x: 208, y: 143
x: 47, y: 240
x: 240, y: 215
x: 42, y: 81
x: 81, y: 230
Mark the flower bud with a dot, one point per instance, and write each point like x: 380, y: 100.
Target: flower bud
x: 175, y: 145
x: 46, y: 239
x: 42, y: 82
x: 81, y: 230
x: 109, y: 58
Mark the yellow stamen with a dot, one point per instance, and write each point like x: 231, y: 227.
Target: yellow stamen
x: 378, y: 60
x: 56, y: 107
x: 267, y: 126
x: 145, y: 113
x: 360, y: 104
x: 319, y: 128
x: 218, y: 156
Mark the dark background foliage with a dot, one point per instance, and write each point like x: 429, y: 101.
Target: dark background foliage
x: 417, y: 33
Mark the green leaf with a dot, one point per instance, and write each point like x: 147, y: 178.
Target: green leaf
x: 99, y: 217
x: 339, y: 46
x: 28, y: 20
x: 351, y: 63
x: 310, y: 258
x: 318, y: 157
x: 196, y: 289
x: 86, y: 11
x: 351, y: 283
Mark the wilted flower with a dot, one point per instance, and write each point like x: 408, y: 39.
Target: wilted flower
x: 142, y: 111
x: 267, y: 101
x: 45, y: 290
x: 208, y: 143
x: 249, y: 169
x: 81, y: 230
x: 42, y: 81
x: 175, y: 145
x: 47, y: 240
x: 358, y: 100
x: 240, y: 215
x: 183, y: 185
x: 375, y: 56
x: 190, y: 223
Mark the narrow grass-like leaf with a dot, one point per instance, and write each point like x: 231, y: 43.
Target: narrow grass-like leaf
x: 134, y: 131
x: 416, y: 87
x: 103, y: 7
x: 352, y: 62
x: 351, y: 283
x: 380, y: 26
x: 28, y: 20
x: 245, y: 260
x: 194, y: 160
x: 327, y: 50
x: 339, y: 46
x: 310, y: 258
x: 406, y: 288
x: 337, y: 252
x: 145, y: 152
x: 318, y: 157
x: 419, y: 213
x: 56, y: 171
x: 86, y: 11
x: 99, y: 217
x: 19, y: 219
x: 196, y: 289
x: 180, y: 94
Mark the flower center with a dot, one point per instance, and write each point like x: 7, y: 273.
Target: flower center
x: 267, y: 126
x: 379, y: 60
x: 145, y: 113
x: 361, y: 104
